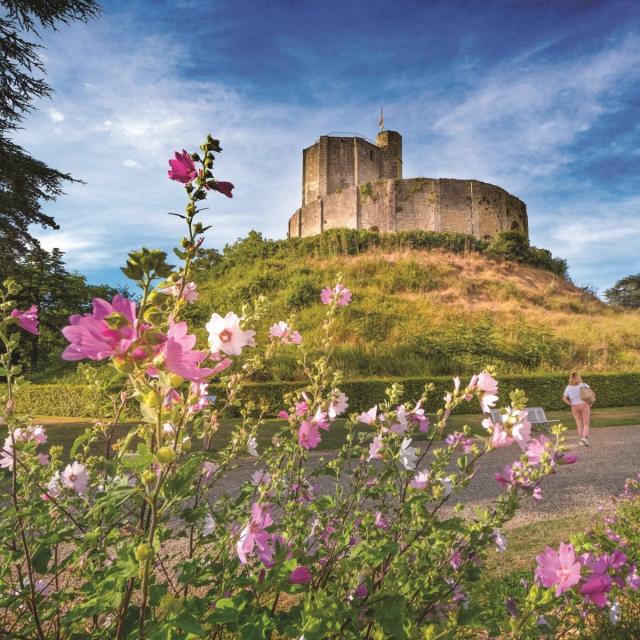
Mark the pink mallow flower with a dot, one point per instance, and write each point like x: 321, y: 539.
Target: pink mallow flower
x: 6, y: 455
x: 521, y: 431
x: 224, y: 188
x: 500, y: 436
x: 209, y: 469
x: 321, y: 420
x: 226, y: 335
x: 308, y: 435
x: 595, y: 589
x: 338, y: 405
x: 375, y: 448
x: 110, y: 330
x: 260, y: 476
x: 177, y: 355
x: 488, y: 387
x: 182, y: 168
x: 418, y: 417
x: 340, y: 294
x: 559, y: 569
x: 189, y: 291
x: 458, y: 439
x: 368, y: 417
x: 300, y: 575
x: 380, y: 521
x: 27, y: 320
x: 255, y: 537
x: 200, y: 391
x: 536, y: 449
x: 284, y: 333
x: 75, y: 477
x: 420, y: 480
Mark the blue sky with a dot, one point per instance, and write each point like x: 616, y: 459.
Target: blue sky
x: 539, y: 97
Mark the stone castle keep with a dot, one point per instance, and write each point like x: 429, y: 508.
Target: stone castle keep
x: 351, y: 182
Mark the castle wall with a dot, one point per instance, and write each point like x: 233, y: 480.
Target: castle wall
x: 428, y: 204
x: 311, y: 222
x: 455, y: 212
x: 340, y: 164
x: 370, y: 162
x: 311, y: 173
x: 417, y: 204
x: 341, y: 209
x: 294, y: 225
x: 377, y: 205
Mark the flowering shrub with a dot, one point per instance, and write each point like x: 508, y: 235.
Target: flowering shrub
x: 145, y: 537
x: 582, y: 586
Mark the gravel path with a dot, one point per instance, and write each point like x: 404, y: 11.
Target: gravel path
x: 600, y: 473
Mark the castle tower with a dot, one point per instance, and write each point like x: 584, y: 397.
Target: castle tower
x: 350, y: 182
x: 390, y: 142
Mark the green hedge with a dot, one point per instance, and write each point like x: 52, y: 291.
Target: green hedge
x: 545, y: 390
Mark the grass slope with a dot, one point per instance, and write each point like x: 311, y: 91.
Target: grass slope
x: 424, y: 311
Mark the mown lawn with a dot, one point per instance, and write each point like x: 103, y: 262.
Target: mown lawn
x: 64, y: 431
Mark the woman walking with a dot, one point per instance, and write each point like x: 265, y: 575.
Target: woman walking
x: 581, y: 408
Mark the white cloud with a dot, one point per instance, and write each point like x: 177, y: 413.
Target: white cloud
x: 55, y: 115
x: 511, y: 125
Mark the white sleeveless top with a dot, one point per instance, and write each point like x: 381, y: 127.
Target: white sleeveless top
x: 573, y: 392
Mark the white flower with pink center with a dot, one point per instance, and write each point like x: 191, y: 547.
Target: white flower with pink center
x: 408, y: 455
x: 252, y: 447
x: 226, y: 335
x: 75, y: 477
x: 209, y: 525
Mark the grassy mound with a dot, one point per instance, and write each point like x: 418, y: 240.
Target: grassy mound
x: 424, y: 304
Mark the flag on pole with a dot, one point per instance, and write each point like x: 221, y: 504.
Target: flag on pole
x: 381, y: 121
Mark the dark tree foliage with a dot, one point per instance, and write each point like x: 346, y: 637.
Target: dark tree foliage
x: 625, y: 292
x: 24, y: 181
x: 58, y: 293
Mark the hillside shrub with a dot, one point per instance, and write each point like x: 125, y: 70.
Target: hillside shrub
x: 510, y: 245
x: 514, y: 245
x: 302, y: 291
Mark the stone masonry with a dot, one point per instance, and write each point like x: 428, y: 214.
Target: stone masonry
x: 351, y: 182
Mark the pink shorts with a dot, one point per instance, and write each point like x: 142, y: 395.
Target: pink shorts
x: 581, y: 411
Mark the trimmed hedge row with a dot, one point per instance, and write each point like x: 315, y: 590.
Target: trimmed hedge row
x: 545, y: 390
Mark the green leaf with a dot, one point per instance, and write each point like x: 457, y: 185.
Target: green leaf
x: 188, y: 623
x: 79, y: 441
x: 225, y: 612
x: 138, y: 461
x: 40, y: 559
